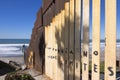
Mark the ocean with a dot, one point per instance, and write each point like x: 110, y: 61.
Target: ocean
x: 12, y: 47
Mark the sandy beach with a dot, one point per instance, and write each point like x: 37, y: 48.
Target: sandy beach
x: 18, y: 59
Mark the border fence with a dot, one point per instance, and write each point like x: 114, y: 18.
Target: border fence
x: 64, y: 21
x: 67, y: 41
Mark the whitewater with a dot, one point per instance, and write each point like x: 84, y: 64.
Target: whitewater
x: 11, y: 49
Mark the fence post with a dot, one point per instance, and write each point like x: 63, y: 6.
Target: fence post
x: 85, y: 54
x: 95, y: 39
x: 52, y: 51
x: 62, y: 43
x: 56, y: 49
x: 57, y: 36
x: 66, y: 39
x: 49, y: 52
x: 77, y: 38
x: 71, y: 41
x: 46, y: 49
x: 110, y: 34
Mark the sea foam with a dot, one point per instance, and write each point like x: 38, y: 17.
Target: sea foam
x: 11, y: 49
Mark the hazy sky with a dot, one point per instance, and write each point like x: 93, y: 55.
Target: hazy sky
x: 17, y: 18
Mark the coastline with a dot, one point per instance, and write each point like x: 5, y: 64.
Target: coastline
x: 20, y: 58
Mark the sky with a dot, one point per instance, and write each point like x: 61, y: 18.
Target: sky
x: 102, y: 19
x: 17, y: 18
x: 118, y: 19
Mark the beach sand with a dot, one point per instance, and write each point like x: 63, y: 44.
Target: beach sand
x: 18, y: 59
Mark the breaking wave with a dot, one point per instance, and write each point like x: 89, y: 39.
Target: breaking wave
x: 11, y: 49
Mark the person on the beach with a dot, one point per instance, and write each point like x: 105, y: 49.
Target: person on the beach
x: 24, y: 51
x: 23, y: 48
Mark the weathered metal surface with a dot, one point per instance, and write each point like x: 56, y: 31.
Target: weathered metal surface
x: 46, y: 4
x: 38, y: 22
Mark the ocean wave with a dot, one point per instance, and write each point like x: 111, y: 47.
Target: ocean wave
x: 3, y: 48
x: 14, y: 44
x: 11, y: 53
x: 11, y: 49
